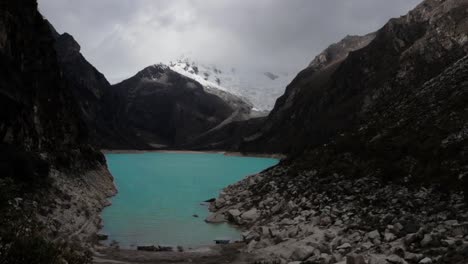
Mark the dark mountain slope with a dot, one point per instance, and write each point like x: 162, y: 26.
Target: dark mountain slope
x: 253, y: 135
x: 38, y: 110
x: 360, y: 196
x: 167, y: 109
x: 419, y: 138
x: 327, y: 100
x: 100, y: 105
x: 48, y: 169
x: 378, y: 153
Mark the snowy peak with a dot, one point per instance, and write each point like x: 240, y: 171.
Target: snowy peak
x: 261, y: 88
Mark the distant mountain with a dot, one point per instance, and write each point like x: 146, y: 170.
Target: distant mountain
x: 175, y: 108
x: 166, y: 108
x: 260, y: 88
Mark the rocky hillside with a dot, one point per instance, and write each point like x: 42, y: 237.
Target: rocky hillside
x: 337, y: 201
x: 378, y: 152
x: 339, y: 51
x: 340, y: 94
x: 99, y: 104
x: 167, y: 109
x: 48, y: 168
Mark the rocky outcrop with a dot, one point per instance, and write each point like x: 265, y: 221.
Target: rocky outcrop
x: 339, y: 51
x: 167, y: 109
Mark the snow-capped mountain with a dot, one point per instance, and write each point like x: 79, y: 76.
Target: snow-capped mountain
x: 260, y: 88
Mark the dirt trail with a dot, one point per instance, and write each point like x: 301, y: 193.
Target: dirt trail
x: 209, y: 255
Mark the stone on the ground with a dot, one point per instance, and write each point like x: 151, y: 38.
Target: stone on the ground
x: 373, y: 235
x: 302, y: 252
x: 344, y: 246
x: 250, y: 215
x: 355, y: 259
x: 425, y: 261
x: 426, y: 241
x: 234, y: 213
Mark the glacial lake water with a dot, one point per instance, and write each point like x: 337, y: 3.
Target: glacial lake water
x: 160, y: 192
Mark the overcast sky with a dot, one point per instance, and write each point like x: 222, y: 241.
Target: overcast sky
x: 121, y: 37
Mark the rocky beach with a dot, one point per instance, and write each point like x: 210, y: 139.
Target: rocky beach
x: 309, y: 218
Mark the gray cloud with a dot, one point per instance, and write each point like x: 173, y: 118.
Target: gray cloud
x: 121, y: 37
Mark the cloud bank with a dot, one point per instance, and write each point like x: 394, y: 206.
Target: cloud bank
x: 120, y: 37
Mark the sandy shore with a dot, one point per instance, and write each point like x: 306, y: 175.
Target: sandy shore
x: 227, y: 153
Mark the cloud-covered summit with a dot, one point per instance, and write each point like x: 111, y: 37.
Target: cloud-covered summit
x: 121, y: 37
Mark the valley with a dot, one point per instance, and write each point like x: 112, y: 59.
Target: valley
x: 360, y: 158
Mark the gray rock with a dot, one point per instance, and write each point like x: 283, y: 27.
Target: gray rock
x: 373, y: 235
x: 325, y: 221
x: 250, y: 215
x: 411, y: 238
x: 325, y: 258
x: 377, y: 260
x: 394, y: 259
x: 367, y: 245
x: 219, y: 202
x: 355, y: 259
x: 265, y: 231
x: 451, y: 222
x: 425, y: 261
x: 413, y: 257
x: 389, y: 237
x: 427, y: 240
x: 302, y: 252
x: 251, y: 245
x: 344, y: 246
x: 234, y: 213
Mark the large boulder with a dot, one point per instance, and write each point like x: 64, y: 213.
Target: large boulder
x: 302, y: 253
x: 251, y: 215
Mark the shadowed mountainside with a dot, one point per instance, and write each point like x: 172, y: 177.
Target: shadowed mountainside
x: 100, y: 106
x: 167, y: 109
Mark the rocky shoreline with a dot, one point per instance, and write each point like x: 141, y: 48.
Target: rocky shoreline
x: 301, y: 217
x: 75, y: 205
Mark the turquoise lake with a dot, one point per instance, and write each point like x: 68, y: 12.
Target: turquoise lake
x: 160, y: 192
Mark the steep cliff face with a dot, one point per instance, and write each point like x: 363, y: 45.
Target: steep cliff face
x: 99, y: 104
x: 167, y: 109
x: 38, y: 113
x: 46, y: 162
